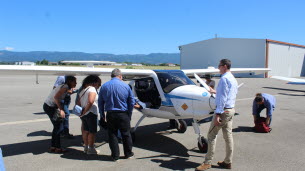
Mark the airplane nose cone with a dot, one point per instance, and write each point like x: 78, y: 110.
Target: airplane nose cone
x: 205, y: 98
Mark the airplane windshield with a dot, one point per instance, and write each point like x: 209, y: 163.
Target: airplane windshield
x: 170, y: 80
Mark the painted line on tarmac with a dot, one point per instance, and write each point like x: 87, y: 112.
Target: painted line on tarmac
x: 30, y: 121
x: 245, y: 99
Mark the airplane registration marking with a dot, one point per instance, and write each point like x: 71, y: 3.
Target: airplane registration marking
x: 184, y: 106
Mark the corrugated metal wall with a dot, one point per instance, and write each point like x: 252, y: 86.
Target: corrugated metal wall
x: 243, y: 53
x: 286, y: 60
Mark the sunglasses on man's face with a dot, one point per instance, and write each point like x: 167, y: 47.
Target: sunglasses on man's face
x: 220, y: 65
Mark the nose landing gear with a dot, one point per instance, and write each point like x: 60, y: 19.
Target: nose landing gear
x: 202, y: 142
x: 203, y: 145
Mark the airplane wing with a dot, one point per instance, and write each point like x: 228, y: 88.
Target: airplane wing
x: 58, y: 70
x: 290, y: 80
x: 191, y: 72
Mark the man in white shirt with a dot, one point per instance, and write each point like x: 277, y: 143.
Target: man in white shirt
x: 223, y: 118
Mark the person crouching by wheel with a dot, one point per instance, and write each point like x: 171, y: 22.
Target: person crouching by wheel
x: 260, y: 102
x: 88, y: 98
x: 51, y: 106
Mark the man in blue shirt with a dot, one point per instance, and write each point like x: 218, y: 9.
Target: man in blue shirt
x: 262, y: 101
x: 116, y: 98
x: 2, y: 168
x: 225, y: 102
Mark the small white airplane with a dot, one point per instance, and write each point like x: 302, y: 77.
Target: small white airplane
x: 168, y: 94
x: 297, y: 81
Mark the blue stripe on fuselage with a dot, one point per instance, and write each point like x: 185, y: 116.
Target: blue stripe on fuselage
x: 168, y: 98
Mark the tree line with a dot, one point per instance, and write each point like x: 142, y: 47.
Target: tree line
x: 46, y: 62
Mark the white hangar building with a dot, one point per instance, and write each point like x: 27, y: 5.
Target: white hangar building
x: 284, y: 59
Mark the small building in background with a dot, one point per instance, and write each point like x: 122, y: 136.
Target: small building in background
x: 284, y: 59
x: 136, y: 64
x: 120, y: 64
x: 27, y: 63
x: 171, y: 64
x: 53, y: 63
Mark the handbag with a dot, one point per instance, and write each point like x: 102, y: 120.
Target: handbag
x: 56, y: 116
x: 260, y: 125
x: 77, y: 109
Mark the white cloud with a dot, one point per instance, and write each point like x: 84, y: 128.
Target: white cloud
x: 8, y: 48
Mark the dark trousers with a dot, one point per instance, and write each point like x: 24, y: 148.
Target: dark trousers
x: 119, y: 121
x: 260, y: 109
x: 57, y: 126
x: 65, y: 103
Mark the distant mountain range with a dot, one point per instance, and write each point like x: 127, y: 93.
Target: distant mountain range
x: 153, y: 58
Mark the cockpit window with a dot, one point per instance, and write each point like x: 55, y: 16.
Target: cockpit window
x: 170, y: 80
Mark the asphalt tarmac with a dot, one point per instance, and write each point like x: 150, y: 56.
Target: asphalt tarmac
x: 25, y: 132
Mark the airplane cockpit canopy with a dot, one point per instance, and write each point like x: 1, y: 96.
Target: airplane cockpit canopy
x: 172, y: 79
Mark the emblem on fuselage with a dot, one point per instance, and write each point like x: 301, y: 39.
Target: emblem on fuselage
x: 204, y: 94
x: 184, y: 106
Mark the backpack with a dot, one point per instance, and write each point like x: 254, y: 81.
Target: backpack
x: 260, y: 125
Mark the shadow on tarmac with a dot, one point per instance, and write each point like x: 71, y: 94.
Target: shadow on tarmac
x: 291, y: 94
x: 148, y: 137
x: 79, y: 155
x: 39, y: 133
x: 285, y: 89
x: 39, y: 113
x: 35, y: 147
x: 243, y: 129
x: 176, y: 163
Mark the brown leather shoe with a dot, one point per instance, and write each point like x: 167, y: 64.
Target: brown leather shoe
x: 203, y: 167
x: 60, y: 150
x: 224, y: 165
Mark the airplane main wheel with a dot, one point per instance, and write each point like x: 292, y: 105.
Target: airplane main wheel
x: 182, y: 126
x: 204, y: 147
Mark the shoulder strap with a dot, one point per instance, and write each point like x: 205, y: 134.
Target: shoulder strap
x: 84, y: 93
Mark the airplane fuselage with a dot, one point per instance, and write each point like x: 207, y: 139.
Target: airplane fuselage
x: 179, y: 97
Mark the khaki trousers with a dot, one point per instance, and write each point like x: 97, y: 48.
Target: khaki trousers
x: 226, y: 126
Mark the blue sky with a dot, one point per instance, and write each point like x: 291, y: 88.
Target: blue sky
x: 143, y: 26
